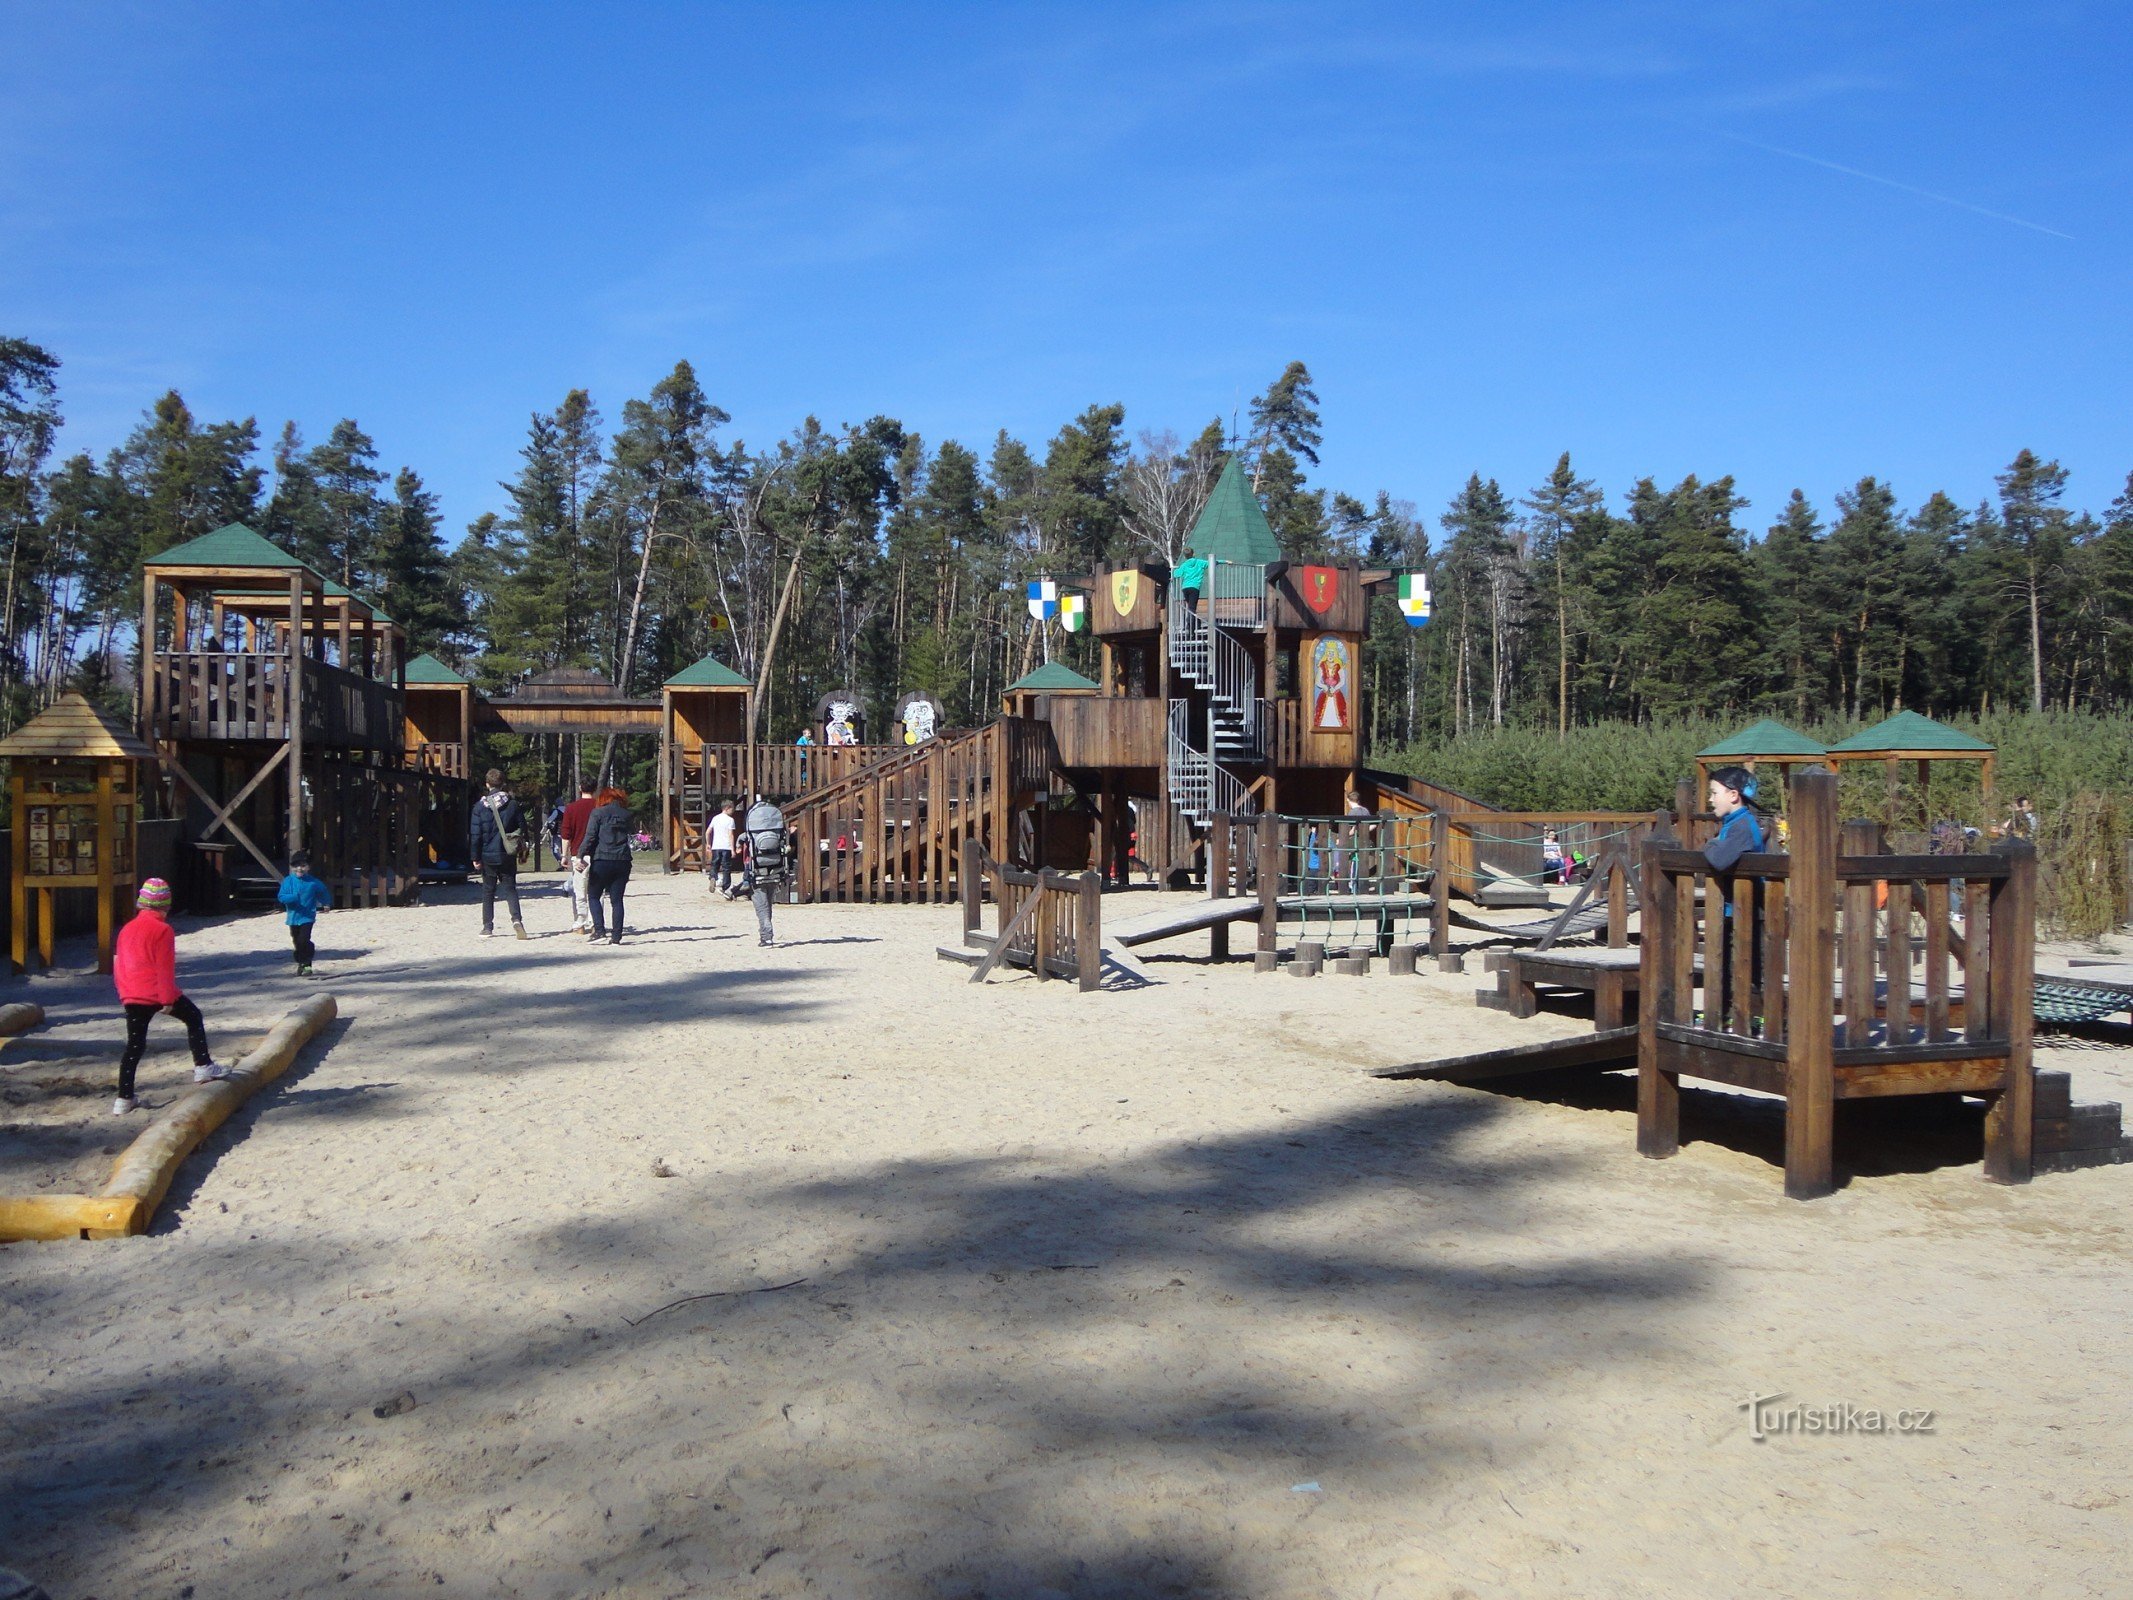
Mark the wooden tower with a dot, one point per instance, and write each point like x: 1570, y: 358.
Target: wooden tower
x: 271, y: 697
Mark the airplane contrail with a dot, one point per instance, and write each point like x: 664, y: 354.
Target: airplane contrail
x: 1892, y: 183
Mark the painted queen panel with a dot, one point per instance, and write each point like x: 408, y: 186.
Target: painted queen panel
x: 1332, y: 685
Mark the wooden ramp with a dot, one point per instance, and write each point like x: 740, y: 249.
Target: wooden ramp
x: 1597, y: 1052
x: 1187, y: 919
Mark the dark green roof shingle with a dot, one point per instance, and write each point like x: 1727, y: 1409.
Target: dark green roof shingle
x: 1768, y: 737
x: 1232, y: 527
x: 709, y: 673
x: 1054, y: 677
x: 1907, y: 730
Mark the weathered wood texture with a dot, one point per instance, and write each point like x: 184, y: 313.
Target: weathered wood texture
x: 1806, y: 984
x: 1049, y: 923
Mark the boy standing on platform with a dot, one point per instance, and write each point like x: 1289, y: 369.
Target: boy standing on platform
x: 144, y: 969
x: 306, y: 897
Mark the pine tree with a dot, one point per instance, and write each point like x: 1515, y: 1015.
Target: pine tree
x: 296, y: 517
x: 352, y: 508
x: 1285, y: 418
x: 1480, y: 568
x: 1865, y: 567
x: 29, y: 423
x: 1797, y: 613
x: 2031, y: 543
x: 410, y: 566
x: 1567, y: 512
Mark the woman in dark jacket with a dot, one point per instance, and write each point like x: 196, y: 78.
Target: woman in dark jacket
x: 607, y: 846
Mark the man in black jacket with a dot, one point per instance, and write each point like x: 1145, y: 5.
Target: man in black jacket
x: 494, y: 834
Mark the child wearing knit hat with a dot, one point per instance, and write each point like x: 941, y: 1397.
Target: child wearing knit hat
x: 144, y: 967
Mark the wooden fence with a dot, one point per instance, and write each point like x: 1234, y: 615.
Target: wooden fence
x: 1792, y: 974
x: 1049, y: 923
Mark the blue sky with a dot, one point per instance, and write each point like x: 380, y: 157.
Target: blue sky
x: 1793, y: 242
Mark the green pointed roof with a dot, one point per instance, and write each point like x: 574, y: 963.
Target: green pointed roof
x: 709, y: 673
x: 1907, y: 730
x: 427, y: 669
x: 1231, y: 525
x: 234, y: 545
x: 1054, y: 677
x: 1768, y: 737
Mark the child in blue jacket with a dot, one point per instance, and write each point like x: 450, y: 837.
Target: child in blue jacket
x: 306, y: 897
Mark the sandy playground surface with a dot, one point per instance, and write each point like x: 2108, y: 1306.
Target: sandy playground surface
x: 1021, y: 1292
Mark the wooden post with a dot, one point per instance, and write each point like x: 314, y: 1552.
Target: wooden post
x: 669, y: 822
x: 106, y: 865
x: 1440, y: 891
x: 1046, y: 949
x: 1658, y: 1093
x: 294, y: 710
x: 1218, y: 881
x: 19, y: 869
x: 2011, y: 1115
x: 1811, y: 961
x: 1269, y: 827
x: 973, y: 891
x: 1088, y: 931
x: 1859, y: 837
x: 150, y: 681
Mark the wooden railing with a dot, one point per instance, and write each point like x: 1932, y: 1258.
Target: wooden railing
x: 1792, y: 974
x: 228, y: 695
x: 894, y: 831
x: 784, y: 771
x: 1049, y: 923
x: 446, y: 760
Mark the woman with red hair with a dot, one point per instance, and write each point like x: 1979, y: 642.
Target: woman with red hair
x: 607, y: 846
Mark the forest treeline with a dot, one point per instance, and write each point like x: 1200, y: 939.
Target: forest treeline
x: 864, y: 556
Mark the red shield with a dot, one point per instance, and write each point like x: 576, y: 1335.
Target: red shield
x: 1321, y: 587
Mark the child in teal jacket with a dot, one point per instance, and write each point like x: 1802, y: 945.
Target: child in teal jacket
x: 306, y: 897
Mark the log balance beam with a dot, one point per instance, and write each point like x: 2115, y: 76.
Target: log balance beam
x: 142, y: 1175
x: 19, y: 1017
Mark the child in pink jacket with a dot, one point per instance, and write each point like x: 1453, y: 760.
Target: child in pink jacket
x: 144, y: 966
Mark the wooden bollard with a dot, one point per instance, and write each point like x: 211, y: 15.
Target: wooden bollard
x: 1266, y: 961
x: 1401, y: 962
x: 1311, y: 950
x: 1353, y: 966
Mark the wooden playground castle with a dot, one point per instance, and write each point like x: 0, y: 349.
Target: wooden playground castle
x: 272, y: 699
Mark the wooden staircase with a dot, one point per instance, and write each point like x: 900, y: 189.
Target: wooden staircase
x: 893, y: 831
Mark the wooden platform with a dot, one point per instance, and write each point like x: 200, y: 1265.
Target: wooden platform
x: 1608, y: 975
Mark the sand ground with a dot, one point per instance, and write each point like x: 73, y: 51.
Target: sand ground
x: 1022, y: 1292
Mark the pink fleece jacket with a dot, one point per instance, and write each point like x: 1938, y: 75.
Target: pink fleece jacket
x: 144, y: 963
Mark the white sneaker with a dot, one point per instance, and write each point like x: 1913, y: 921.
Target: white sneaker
x: 209, y: 1071
x: 122, y: 1105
